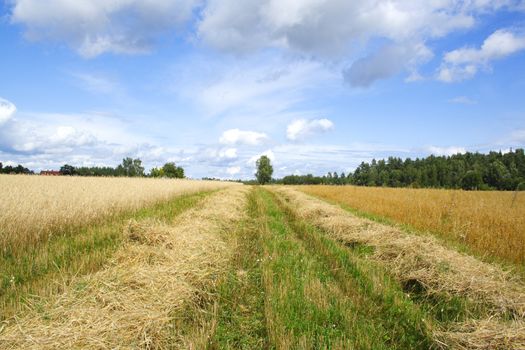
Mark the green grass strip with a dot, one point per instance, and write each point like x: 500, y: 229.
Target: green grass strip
x: 376, y: 295
x: 240, y: 316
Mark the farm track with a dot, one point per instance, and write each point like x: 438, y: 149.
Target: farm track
x: 161, y: 271
x: 474, y: 305
x: 273, y: 268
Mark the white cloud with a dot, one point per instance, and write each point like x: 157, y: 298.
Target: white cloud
x: 335, y: 30
x: 236, y: 136
x: 386, y: 62
x: 98, y: 26
x: 327, y: 27
x: 228, y: 153
x: 464, y: 100
x: 302, y: 128
x: 445, y: 151
x: 269, y: 153
x: 234, y: 170
x: 7, y: 110
x: 464, y: 63
x: 97, y: 83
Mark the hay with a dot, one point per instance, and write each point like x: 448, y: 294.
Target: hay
x: 132, y: 302
x: 485, y: 335
x: 423, y: 260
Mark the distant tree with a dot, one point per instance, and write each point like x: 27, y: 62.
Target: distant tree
x: 67, y: 169
x: 172, y: 171
x: 471, y: 180
x: 130, y: 167
x: 264, y: 170
x: 156, y: 172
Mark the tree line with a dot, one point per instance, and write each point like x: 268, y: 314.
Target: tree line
x: 128, y: 168
x: 469, y: 171
x: 19, y: 169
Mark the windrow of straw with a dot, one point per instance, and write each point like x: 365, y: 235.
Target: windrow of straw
x: 34, y: 207
x: 420, y: 260
x: 491, y: 223
x: 161, y: 271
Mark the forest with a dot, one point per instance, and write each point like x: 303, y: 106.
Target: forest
x: 469, y: 171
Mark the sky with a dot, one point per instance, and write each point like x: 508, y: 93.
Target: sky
x: 316, y: 85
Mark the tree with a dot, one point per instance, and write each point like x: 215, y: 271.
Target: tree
x: 264, y: 170
x: 130, y: 167
x: 172, y: 171
x: 67, y: 169
x: 157, y: 172
x: 471, y: 181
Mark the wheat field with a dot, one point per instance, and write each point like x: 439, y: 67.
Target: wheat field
x: 491, y: 223
x: 34, y: 207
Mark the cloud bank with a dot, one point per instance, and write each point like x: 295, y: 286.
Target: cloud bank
x: 98, y: 26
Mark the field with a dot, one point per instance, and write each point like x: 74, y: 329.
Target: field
x: 118, y: 263
x: 492, y: 223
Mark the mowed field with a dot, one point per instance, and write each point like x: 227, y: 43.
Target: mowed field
x: 166, y: 264
x: 492, y: 223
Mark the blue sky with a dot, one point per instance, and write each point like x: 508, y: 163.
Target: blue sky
x: 318, y: 85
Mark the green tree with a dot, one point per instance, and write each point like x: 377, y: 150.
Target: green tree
x: 156, y: 172
x: 67, y: 169
x: 264, y: 170
x: 471, y: 181
x: 172, y: 171
x: 130, y: 167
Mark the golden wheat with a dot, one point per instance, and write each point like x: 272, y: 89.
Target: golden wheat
x: 160, y: 272
x: 34, y: 207
x: 492, y: 223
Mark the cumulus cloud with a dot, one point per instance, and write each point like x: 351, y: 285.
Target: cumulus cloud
x: 236, y: 136
x: 464, y: 63
x: 98, y: 26
x: 332, y: 30
x: 302, y: 128
x: 331, y: 26
x: 269, y: 153
x: 386, y: 62
x: 234, y: 170
x: 7, y: 110
x: 445, y: 151
x: 335, y: 29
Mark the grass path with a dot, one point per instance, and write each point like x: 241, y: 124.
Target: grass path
x: 292, y: 289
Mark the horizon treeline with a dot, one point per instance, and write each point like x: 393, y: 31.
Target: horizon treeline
x: 128, y: 168
x: 19, y: 169
x: 469, y: 171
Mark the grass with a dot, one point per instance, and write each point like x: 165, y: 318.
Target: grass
x: 492, y: 224
x: 259, y: 268
x: 35, y: 269
x: 240, y: 317
x: 315, y: 293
